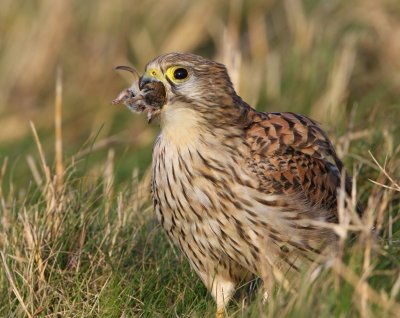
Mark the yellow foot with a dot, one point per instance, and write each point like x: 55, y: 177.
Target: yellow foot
x: 220, y: 313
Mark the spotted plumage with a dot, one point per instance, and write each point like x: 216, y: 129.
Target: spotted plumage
x: 236, y: 189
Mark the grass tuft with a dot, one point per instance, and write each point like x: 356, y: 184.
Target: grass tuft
x: 77, y: 232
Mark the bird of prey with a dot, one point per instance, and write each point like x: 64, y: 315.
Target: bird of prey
x: 241, y: 192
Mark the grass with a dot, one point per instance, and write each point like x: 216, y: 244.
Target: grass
x: 78, y: 236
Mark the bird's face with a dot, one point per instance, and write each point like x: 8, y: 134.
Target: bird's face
x: 188, y: 77
x: 188, y: 92
x: 178, y: 78
x: 192, y: 84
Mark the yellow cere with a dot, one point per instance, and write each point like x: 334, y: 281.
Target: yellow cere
x: 156, y: 74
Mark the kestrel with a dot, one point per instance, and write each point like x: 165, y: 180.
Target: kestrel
x: 241, y: 192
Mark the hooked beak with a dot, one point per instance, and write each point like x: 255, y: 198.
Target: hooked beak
x: 151, y: 75
x: 145, y: 80
x: 148, y: 92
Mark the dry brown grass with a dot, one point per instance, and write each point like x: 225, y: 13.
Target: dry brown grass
x: 76, y: 233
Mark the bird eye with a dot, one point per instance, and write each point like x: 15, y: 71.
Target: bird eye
x: 180, y: 73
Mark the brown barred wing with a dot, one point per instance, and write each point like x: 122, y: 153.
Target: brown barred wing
x: 291, y: 155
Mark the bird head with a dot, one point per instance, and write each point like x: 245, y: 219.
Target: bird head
x: 189, y: 78
x: 190, y: 86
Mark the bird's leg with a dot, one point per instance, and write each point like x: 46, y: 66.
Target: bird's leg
x: 220, y: 313
x: 267, y: 287
x: 221, y: 287
x: 222, y: 291
x: 222, y: 281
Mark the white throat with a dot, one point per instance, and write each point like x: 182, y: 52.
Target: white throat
x: 180, y: 125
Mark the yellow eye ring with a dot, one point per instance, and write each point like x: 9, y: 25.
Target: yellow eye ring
x: 177, y: 74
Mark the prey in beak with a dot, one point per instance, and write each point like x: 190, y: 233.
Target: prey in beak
x: 145, y: 94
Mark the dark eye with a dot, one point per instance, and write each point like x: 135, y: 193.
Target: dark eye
x: 180, y: 73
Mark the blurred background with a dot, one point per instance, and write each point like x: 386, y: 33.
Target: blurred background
x: 337, y: 61
x: 78, y: 237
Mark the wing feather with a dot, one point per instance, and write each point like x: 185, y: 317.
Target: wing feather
x: 292, y: 155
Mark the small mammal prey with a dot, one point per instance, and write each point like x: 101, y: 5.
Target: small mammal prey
x: 142, y: 96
